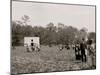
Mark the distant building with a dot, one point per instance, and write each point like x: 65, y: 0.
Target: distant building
x: 28, y: 40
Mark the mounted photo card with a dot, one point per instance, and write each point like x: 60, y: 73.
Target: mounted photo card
x: 52, y: 37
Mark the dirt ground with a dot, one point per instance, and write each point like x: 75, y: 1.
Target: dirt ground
x: 48, y: 59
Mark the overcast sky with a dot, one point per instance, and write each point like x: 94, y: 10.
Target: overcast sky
x: 43, y: 13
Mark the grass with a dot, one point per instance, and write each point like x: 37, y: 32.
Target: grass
x: 49, y: 59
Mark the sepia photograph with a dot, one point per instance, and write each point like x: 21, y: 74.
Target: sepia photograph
x: 52, y: 37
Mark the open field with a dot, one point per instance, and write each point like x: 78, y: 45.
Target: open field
x: 48, y: 59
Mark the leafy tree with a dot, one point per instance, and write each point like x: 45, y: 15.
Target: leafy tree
x: 49, y: 35
x: 92, y: 35
x: 25, y: 19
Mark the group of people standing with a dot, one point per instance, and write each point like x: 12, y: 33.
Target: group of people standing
x: 86, y: 50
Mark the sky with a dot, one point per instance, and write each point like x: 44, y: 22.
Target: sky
x: 42, y: 14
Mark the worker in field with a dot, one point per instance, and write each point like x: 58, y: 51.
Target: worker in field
x: 61, y: 47
x: 83, y: 48
x: 32, y: 45
x: 73, y: 46
x: 27, y: 47
x: 77, y: 51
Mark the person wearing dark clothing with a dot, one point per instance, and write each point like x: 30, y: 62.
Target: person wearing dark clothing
x: 77, y: 52
x: 83, y: 48
x: 32, y: 45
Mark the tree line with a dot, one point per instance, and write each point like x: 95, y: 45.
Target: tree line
x: 51, y: 34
